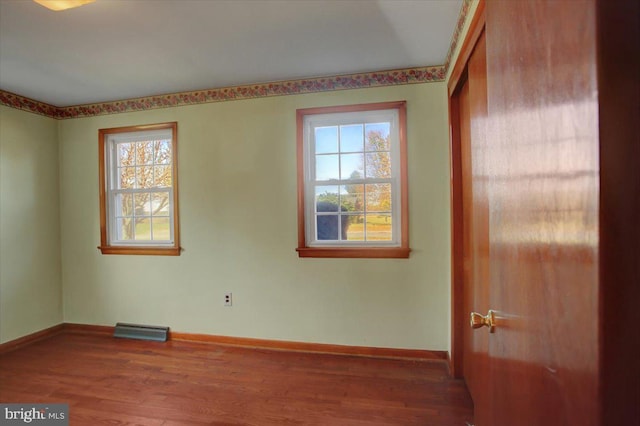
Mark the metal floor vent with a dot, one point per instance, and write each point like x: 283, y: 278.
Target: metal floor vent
x: 142, y: 332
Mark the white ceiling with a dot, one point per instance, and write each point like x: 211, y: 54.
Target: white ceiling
x: 120, y: 49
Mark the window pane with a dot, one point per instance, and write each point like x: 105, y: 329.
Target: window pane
x: 327, y: 198
x: 378, y: 227
x: 326, y: 139
x: 162, y: 152
x: 144, y: 177
x: 327, y: 227
x: 378, y: 197
x: 124, y: 228
x: 144, y: 153
x: 378, y: 137
x: 142, y: 204
x: 352, y: 197
x: 142, y: 228
x: 327, y: 167
x: 352, y: 166
x: 378, y: 165
x: 161, y: 229
x: 124, y: 205
x: 125, y: 154
x: 127, y: 177
x: 162, y: 176
x: 355, y: 230
x: 351, y: 138
x: 160, y: 204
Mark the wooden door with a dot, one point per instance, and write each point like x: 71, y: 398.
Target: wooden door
x: 543, y: 183
x: 555, y: 170
x: 558, y: 162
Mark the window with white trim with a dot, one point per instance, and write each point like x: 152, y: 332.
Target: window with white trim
x: 138, y: 190
x: 352, y: 181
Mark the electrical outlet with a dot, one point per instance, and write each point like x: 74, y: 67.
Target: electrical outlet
x: 228, y: 301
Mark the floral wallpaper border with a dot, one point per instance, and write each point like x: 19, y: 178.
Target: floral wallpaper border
x: 26, y: 104
x: 462, y: 18
x: 281, y: 88
x: 251, y: 91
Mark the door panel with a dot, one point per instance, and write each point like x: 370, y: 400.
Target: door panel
x: 558, y: 169
x: 543, y: 182
x: 473, y: 108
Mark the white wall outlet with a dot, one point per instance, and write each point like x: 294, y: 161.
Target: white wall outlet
x: 228, y: 301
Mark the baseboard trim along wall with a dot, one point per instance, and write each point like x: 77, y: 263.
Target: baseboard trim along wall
x: 88, y: 329
x: 31, y: 338
x: 280, y: 345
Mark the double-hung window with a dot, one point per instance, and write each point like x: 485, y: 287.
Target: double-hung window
x: 352, y: 181
x: 138, y: 190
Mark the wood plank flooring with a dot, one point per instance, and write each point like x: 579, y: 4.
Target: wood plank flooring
x: 128, y: 382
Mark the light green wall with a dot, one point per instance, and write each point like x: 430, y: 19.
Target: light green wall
x: 238, y: 219
x: 237, y: 183
x: 30, y: 276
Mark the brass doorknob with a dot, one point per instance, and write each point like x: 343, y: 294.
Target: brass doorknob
x: 478, y: 320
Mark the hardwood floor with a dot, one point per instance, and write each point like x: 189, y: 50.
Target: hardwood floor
x: 128, y: 382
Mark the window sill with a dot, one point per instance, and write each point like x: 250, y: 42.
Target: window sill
x: 148, y: 251
x: 355, y: 252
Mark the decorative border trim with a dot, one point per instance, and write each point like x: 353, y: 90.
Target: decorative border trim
x: 279, y: 345
x: 462, y: 18
x: 31, y: 338
x: 251, y: 91
x: 476, y: 25
x: 27, y: 104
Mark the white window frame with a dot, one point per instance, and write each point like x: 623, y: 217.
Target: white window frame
x: 310, y: 119
x: 110, y: 182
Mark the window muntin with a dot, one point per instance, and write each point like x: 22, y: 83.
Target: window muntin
x: 353, y: 179
x: 138, y: 184
x: 350, y: 165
